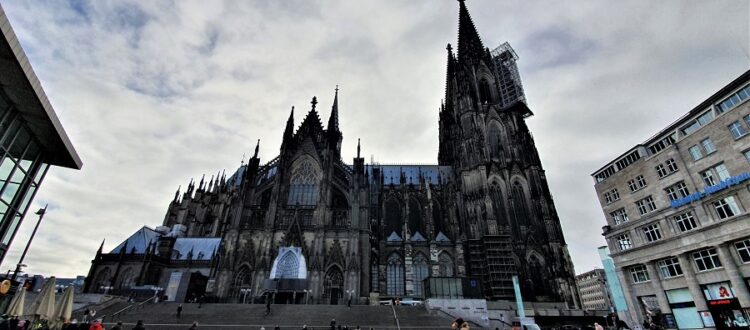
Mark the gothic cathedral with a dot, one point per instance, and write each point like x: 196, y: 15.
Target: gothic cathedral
x: 308, y: 226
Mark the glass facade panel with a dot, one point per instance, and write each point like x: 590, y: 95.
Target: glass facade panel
x: 11, y: 229
x: 9, y: 192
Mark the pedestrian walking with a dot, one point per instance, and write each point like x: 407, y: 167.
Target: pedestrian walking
x: 349, y: 302
x: 179, y: 310
x: 139, y: 325
x: 195, y: 326
x: 268, y: 304
x: 118, y: 326
x: 333, y: 324
x: 96, y: 325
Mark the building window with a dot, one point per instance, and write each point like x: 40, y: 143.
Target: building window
x: 667, y: 168
x: 623, y: 241
x: 670, y: 267
x: 639, y: 273
x: 646, y: 205
x: 619, y: 216
x: 708, y: 146
x: 715, y: 175
x: 677, y: 191
x: 747, y: 155
x: 726, y: 207
x: 708, y: 178
x: 611, y: 196
x: 638, y: 183
x: 706, y: 259
x: 685, y: 222
x: 695, y: 152
x: 652, y: 232
x: 661, y: 171
x: 734, y: 99
x: 737, y: 130
x: 671, y: 165
x: 722, y: 171
x: 743, y: 249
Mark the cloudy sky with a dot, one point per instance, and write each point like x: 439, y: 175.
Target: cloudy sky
x: 153, y: 93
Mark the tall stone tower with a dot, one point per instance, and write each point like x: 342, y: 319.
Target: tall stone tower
x: 508, y: 218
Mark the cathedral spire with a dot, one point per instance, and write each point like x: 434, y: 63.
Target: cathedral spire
x: 449, y: 75
x: 358, y: 148
x: 469, y: 43
x: 288, y: 131
x: 333, y: 121
x: 257, y: 145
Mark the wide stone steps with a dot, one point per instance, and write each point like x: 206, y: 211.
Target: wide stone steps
x: 239, y: 316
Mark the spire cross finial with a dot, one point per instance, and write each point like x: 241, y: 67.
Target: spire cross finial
x: 314, y: 102
x: 337, y: 88
x: 449, y: 48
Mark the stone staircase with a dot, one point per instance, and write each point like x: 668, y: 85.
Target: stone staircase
x: 238, y: 316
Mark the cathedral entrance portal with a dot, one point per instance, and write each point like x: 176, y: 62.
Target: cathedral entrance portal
x: 333, y: 285
x: 335, y: 294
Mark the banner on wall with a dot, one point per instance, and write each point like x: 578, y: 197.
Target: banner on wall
x: 718, y: 291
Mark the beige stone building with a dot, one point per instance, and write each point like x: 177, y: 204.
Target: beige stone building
x: 593, y: 290
x: 677, y: 216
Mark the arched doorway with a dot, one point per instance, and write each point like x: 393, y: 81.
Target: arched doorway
x: 242, y: 280
x: 333, y: 285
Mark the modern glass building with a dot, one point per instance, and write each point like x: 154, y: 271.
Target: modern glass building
x: 31, y: 136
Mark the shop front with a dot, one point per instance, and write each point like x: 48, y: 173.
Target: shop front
x: 725, y: 310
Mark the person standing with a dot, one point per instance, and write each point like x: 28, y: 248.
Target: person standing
x: 333, y: 324
x: 118, y: 326
x: 139, y: 326
x: 268, y: 304
x: 179, y: 310
x: 195, y: 326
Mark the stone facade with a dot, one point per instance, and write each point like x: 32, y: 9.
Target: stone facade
x: 671, y: 252
x: 373, y: 230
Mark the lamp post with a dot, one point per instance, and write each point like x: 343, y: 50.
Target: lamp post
x: 20, y: 264
x: 156, y: 293
x: 349, y: 302
x: 244, y: 292
x: 106, y: 288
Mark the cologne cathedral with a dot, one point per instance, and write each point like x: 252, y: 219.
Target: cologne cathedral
x: 308, y: 226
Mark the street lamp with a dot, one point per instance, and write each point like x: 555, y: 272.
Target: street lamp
x: 20, y: 264
x: 244, y: 292
x: 106, y: 288
x: 349, y: 302
x: 156, y: 293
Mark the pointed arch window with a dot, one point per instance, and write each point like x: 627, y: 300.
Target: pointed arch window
x: 485, y: 95
x: 393, y: 217
x: 395, y: 276
x: 437, y: 218
x: 520, y: 210
x: 415, y: 217
x: 241, y: 280
x: 288, y: 266
x: 445, y: 264
x: 303, y: 185
x: 498, y: 203
x: 421, y: 272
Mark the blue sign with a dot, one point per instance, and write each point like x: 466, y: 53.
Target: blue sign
x: 731, y: 181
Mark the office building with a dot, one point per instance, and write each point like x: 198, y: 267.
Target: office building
x: 677, y: 222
